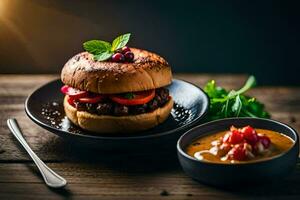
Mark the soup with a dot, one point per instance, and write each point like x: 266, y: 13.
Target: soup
x: 239, y: 145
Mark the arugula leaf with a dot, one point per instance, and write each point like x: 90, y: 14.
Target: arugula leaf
x: 237, y: 106
x: 251, y: 82
x: 213, y: 91
x: 120, y: 41
x: 233, y: 103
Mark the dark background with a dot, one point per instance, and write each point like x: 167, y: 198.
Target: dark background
x: 253, y: 37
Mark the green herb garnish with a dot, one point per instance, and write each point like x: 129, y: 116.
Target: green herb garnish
x: 103, y: 50
x: 129, y: 95
x: 225, y: 104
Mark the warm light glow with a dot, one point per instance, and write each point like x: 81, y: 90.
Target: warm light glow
x: 2, y: 7
x: 9, y: 25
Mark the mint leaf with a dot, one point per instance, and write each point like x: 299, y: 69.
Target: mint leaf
x: 129, y: 95
x: 103, y: 50
x: 120, y: 41
x: 96, y: 46
x: 103, y: 56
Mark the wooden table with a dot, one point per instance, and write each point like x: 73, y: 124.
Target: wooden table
x: 92, y: 175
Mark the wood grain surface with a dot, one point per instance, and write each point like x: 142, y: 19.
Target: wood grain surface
x: 96, y: 175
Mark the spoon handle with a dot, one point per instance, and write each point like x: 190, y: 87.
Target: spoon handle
x: 50, y: 177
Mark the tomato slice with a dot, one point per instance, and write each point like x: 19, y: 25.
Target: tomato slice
x: 250, y: 134
x: 64, y: 89
x: 238, y: 152
x: 91, y: 99
x: 73, y: 92
x: 233, y: 137
x: 70, y: 101
x: 138, y: 98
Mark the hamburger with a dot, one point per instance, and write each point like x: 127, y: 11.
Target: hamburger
x: 117, y: 94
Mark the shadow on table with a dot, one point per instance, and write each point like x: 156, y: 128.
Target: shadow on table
x: 151, y: 161
x: 284, y: 188
x: 146, y: 161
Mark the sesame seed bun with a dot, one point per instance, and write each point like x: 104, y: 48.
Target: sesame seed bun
x: 148, y: 71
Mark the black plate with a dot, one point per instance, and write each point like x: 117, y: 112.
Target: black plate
x: 45, y: 107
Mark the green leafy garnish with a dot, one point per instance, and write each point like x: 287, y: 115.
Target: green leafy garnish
x: 103, y: 50
x: 129, y: 95
x: 120, y: 42
x: 103, y: 56
x: 225, y: 104
x: 96, y: 47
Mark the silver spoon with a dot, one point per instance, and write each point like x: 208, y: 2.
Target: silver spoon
x: 52, y: 179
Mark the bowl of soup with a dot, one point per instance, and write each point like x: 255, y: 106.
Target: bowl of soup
x: 237, y: 151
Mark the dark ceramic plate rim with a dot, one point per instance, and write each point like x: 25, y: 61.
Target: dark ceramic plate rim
x: 158, y: 134
x: 182, y: 152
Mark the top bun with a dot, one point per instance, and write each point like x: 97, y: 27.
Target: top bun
x: 147, y: 71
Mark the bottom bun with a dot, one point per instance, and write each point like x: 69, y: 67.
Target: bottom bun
x: 117, y: 124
